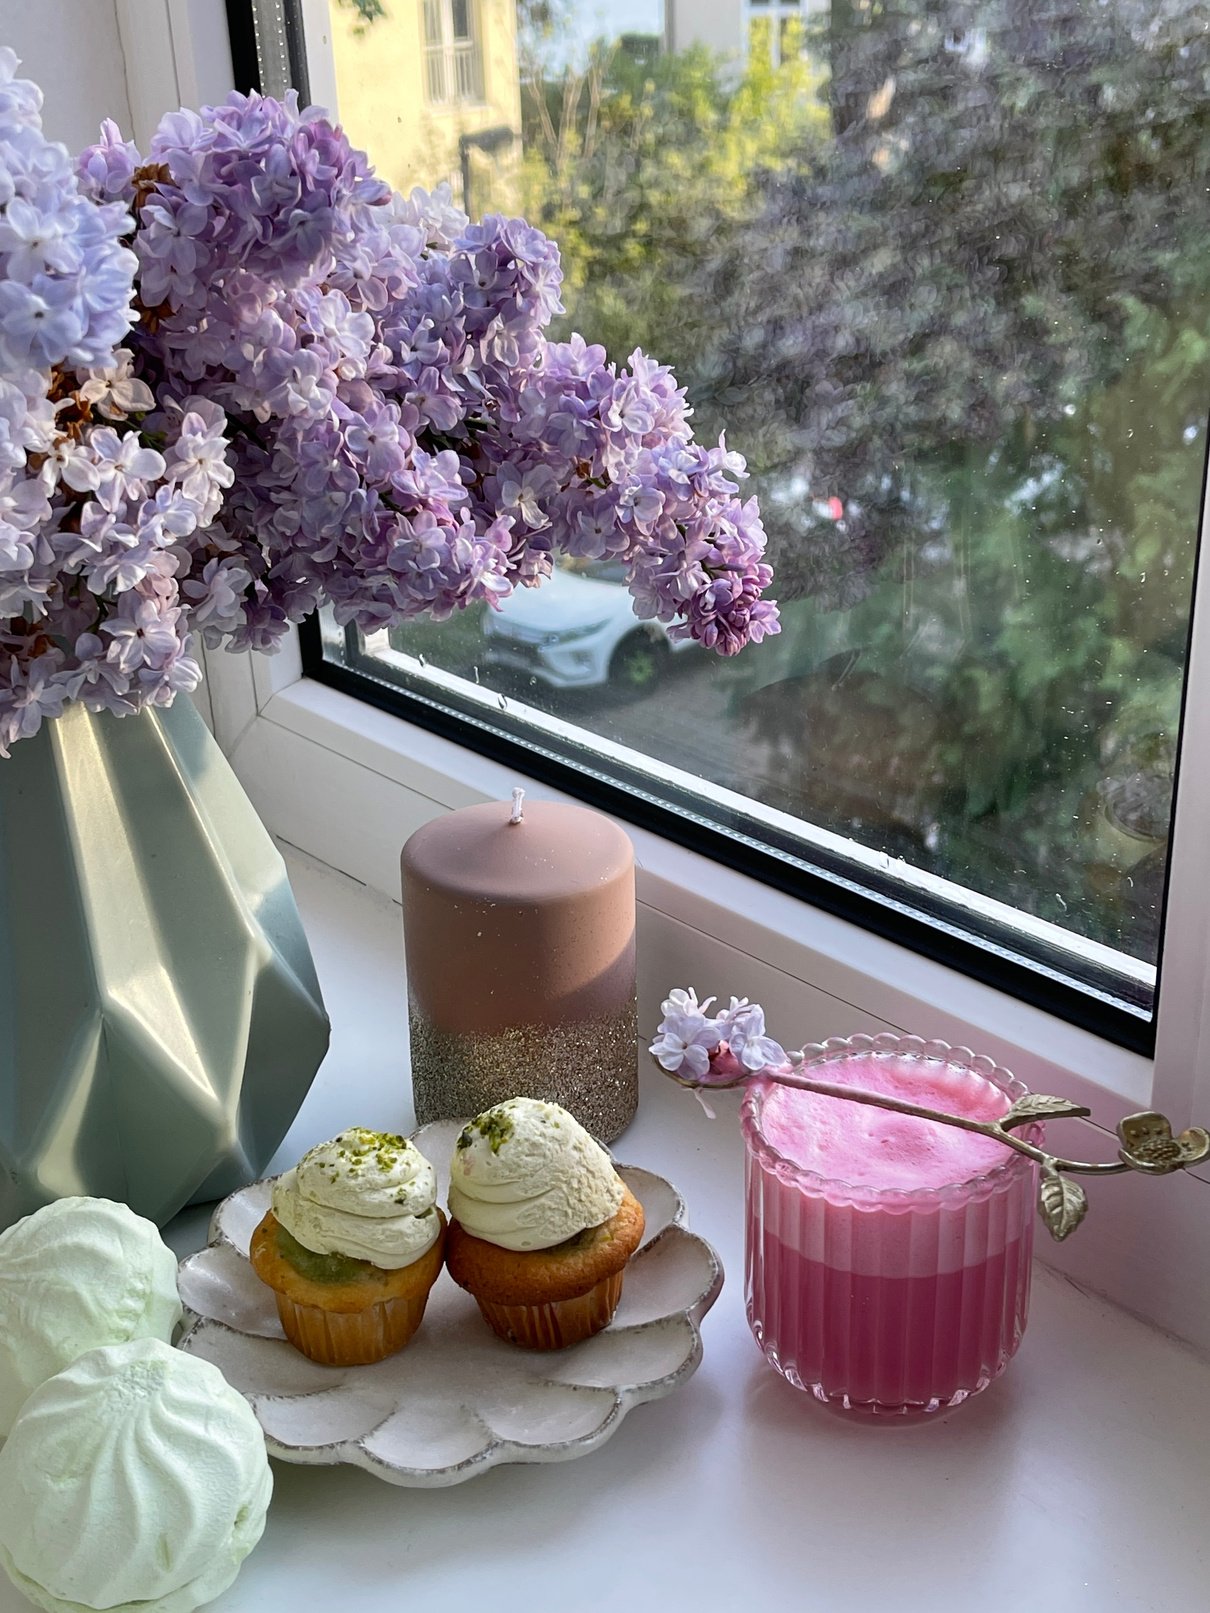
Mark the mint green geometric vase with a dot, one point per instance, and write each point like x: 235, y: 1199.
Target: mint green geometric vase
x: 160, y: 1019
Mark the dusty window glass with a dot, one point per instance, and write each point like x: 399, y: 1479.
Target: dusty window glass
x: 941, y: 272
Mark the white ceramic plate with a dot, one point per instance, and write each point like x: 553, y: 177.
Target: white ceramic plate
x: 457, y: 1400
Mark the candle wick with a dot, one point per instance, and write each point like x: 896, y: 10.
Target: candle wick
x: 518, y: 816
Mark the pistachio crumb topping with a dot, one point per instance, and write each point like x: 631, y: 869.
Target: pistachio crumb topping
x: 493, y: 1125
x: 359, y: 1148
x: 553, y: 1185
x: 363, y: 1194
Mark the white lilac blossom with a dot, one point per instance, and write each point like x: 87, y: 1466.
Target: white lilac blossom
x: 743, y: 1030
x: 705, y: 1050
x: 688, y: 1037
x: 331, y: 394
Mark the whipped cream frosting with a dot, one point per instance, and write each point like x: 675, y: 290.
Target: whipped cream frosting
x: 526, y: 1175
x: 135, y: 1479
x: 366, y: 1194
x: 76, y: 1274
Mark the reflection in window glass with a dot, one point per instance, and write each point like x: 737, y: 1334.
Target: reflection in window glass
x: 941, y: 273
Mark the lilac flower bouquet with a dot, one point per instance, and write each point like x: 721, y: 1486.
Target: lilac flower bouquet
x: 239, y: 377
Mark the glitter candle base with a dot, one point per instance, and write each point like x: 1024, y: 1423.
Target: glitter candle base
x: 590, y: 1067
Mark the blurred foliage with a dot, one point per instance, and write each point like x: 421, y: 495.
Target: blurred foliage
x: 961, y: 265
x: 944, y: 264
x: 368, y: 11
x: 644, y: 170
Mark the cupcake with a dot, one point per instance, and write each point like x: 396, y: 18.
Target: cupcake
x: 541, y: 1225
x: 351, y: 1247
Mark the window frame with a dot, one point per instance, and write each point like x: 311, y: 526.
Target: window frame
x: 347, y: 783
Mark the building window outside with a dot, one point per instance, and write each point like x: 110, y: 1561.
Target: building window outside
x: 775, y: 30
x: 453, y: 52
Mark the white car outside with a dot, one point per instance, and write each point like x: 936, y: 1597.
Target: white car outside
x: 578, y: 630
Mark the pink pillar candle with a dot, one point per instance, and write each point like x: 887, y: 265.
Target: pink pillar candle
x: 519, y: 931
x: 887, y: 1258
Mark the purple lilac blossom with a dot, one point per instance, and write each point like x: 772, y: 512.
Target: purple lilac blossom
x: 333, y: 394
x: 405, y: 440
x: 87, y: 506
x: 743, y: 1029
x: 93, y: 540
x: 65, y: 277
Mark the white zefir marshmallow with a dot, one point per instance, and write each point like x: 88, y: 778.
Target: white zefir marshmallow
x: 526, y: 1175
x: 135, y: 1479
x: 76, y: 1274
x: 366, y: 1194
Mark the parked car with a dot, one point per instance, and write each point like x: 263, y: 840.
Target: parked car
x: 579, y: 630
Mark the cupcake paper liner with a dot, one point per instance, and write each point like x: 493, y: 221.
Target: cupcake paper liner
x: 351, y: 1338
x: 555, y: 1325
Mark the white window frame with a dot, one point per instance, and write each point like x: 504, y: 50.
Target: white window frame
x: 347, y: 783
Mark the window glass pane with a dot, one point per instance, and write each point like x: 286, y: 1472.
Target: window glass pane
x: 941, y: 274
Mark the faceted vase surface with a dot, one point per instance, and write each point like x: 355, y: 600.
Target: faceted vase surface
x: 160, y: 1019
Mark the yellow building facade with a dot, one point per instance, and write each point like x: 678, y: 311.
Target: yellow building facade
x: 431, y: 90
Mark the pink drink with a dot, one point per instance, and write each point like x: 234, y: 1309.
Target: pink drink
x: 888, y: 1258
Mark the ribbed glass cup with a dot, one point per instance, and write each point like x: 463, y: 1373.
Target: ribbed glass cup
x: 888, y: 1303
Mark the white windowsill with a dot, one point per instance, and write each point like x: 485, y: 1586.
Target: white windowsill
x: 1078, y: 1479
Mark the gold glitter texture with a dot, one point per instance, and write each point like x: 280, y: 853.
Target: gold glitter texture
x: 590, y: 1067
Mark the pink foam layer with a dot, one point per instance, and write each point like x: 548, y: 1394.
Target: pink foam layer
x: 917, y: 1239
x: 870, y: 1147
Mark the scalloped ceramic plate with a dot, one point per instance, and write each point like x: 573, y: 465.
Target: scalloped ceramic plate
x: 457, y: 1400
